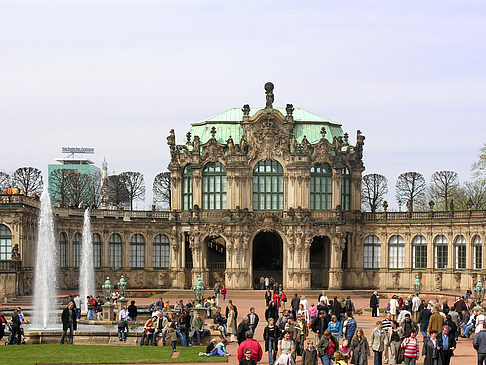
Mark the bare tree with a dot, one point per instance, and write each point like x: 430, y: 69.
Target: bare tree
x: 59, y: 181
x: 471, y: 195
x: 410, y: 189
x: 79, y: 187
x: 95, y: 186
x: 444, y: 185
x: 116, y: 191
x: 4, y: 182
x: 135, y: 186
x: 374, y: 187
x: 28, y: 179
x: 161, y: 189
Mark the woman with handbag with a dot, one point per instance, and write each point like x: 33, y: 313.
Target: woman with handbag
x: 395, y: 340
x: 411, y: 346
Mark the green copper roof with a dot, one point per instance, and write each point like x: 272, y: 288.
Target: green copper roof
x: 228, y: 123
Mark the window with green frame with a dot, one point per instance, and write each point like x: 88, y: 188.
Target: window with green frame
x: 346, y: 190
x: 268, y: 189
x: 187, y: 188
x: 5, y: 243
x: 321, y: 187
x: 214, y: 186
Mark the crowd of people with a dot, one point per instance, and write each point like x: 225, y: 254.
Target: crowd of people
x: 19, y: 191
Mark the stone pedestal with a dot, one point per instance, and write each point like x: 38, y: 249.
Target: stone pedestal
x: 202, y: 311
x: 108, y: 314
x: 120, y: 303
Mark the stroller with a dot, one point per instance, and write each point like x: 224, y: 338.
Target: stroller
x: 21, y: 334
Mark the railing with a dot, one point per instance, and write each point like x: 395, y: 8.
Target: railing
x: 9, y: 265
x: 122, y: 214
x: 440, y: 215
x: 217, y: 266
x: 18, y: 199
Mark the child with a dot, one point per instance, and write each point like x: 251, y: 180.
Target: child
x: 172, y: 336
x: 339, y: 358
x: 309, y: 356
x: 345, y: 350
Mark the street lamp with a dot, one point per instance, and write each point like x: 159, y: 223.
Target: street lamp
x: 107, y: 288
x: 122, y: 286
x: 479, y: 292
x: 199, y: 292
x: 417, y: 285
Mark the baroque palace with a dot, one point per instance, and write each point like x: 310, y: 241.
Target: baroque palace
x: 255, y: 193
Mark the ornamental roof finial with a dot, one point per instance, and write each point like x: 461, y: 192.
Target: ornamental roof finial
x: 269, y: 91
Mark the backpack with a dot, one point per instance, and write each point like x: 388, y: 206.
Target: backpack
x: 348, y: 307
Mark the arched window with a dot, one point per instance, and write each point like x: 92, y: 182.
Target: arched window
x: 187, y: 188
x: 371, y: 252
x: 396, y: 252
x: 214, y: 186
x: 137, y: 251
x: 321, y: 187
x: 460, y: 251
x: 5, y: 243
x: 160, y: 256
x: 440, y: 252
x: 346, y: 190
x: 115, y: 251
x: 477, y: 253
x: 96, y: 250
x: 76, y: 249
x: 268, y: 189
x: 419, y: 259
x: 62, y: 250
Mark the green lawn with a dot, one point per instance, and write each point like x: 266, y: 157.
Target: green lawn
x: 32, y: 354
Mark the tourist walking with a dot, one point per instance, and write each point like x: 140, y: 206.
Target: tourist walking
x: 271, y: 334
x: 335, y: 327
x: 377, y: 341
x: 251, y: 344
x: 132, y: 311
x: 412, y: 349
x: 286, y: 350
x: 123, y: 324
x: 393, y: 307
x: 271, y: 312
x: 374, y: 304
x: 447, y: 344
x: 69, y: 322
x: 359, y: 348
x: 436, y: 321
x: 242, y: 329
x: 326, y: 347
x: 253, y: 319
x: 479, y: 345
x: 429, y: 350
x: 231, y: 323
x: 247, y: 360
x: 423, y: 319
x: 319, y: 325
x: 309, y: 356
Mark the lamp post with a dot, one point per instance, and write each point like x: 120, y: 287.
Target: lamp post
x: 479, y: 292
x: 417, y: 285
x: 122, y: 287
x: 107, y: 288
x: 199, y: 292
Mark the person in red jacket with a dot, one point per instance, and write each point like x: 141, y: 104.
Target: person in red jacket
x: 253, y: 345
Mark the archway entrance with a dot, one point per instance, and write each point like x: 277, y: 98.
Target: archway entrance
x: 320, y: 261
x: 215, y: 258
x: 267, y: 257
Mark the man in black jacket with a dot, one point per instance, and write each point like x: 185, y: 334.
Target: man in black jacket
x: 319, y: 325
x: 374, y: 304
x: 447, y: 344
x: 243, y: 327
x: 253, y: 319
x: 68, y: 322
x: 294, y: 303
x: 15, y: 331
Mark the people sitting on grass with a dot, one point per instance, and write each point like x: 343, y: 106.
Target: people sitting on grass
x: 215, y: 348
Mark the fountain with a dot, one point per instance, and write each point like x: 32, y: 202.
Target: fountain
x: 86, y: 275
x: 45, y: 277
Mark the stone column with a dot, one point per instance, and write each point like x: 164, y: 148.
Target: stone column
x: 469, y: 252
x: 356, y: 190
x: 125, y: 250
x: 336, y: 272
x: 199, y: 267
x: 197, y: 187
x: 336, y: 187
x: 408, y: 251
x: 149, y: 251
x: 176, y: 189
x: 104, y: 251
x: 69, y: 249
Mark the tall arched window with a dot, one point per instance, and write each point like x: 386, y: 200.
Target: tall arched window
x: 477, y: 253
x: 440, y: 252
x: 346, y: 190
x: 115, y: 251
x: 460, y: 252
x: 214, y: 186
x: 160, y: 256
x: 268, y: 189
x: 187, y: 188
x: 396, y: 252
x: 62, y: 250
x: 371, y: 252
x: 76, y: 249
x: 321, y: 187
x: 96, y: 250
x: 137, y: 251
x: 419, y: 259
x: 5, y: 243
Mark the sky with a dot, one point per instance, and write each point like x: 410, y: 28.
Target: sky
x: 118, y: 75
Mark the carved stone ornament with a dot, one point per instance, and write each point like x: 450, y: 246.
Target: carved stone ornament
x: 438, y: 281
x: 396, y: 279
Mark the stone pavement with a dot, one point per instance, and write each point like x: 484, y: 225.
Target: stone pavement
x: 464, y: 355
